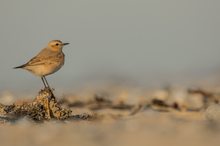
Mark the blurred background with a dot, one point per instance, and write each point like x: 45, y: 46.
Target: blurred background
x: 144, y: 43
x: 125, y: 49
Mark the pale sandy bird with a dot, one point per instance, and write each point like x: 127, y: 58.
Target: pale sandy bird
x: 47, y: 62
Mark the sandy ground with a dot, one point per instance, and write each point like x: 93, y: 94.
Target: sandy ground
x: 165, y: 117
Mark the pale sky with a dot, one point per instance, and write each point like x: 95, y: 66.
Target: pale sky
x: 143, y: 41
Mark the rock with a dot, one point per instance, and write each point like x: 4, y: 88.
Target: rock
x: 43, y: 107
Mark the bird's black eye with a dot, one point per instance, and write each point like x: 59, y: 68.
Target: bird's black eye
x: 57, y: 44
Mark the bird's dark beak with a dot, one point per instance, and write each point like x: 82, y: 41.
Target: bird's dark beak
x: 64, y: 44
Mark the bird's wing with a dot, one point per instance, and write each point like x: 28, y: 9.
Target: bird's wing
x: 45, y: 58
x: 39, y: 59
x: 36, y: 61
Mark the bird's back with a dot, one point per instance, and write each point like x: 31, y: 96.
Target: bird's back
x: 44, y: 56
x: 45, y: 62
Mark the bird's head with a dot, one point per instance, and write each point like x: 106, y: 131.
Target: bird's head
x: 56, y: 45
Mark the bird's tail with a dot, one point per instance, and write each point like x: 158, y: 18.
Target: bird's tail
x: 21, y: 66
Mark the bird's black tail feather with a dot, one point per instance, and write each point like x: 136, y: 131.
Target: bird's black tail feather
x: 21, y: 66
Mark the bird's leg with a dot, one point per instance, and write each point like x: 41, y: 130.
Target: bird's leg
x: 48, y: 86
x: 44, y: 82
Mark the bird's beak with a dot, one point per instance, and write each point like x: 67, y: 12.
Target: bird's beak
x: 65, y: 44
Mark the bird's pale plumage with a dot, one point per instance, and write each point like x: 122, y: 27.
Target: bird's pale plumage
x: 47, y: 61
x: 43, y: 65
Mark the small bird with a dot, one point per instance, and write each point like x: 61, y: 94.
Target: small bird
x: 47, y: 61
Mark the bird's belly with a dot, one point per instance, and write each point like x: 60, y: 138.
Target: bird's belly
x: 44, y: 70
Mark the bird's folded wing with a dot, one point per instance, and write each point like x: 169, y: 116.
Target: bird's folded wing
x: 43, y: 60
x: 37, y: 61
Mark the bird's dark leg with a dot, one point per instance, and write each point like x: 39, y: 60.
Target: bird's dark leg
x: 44, y: 82
x: 48, y: 86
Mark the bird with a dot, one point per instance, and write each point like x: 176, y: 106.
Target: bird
x: 47, y: 61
